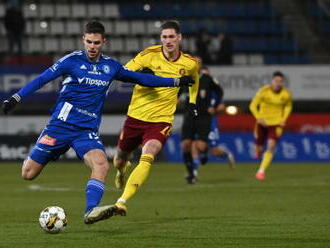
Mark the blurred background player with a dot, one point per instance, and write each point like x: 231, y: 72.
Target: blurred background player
x: 151, y: 111
x: 197, y: 132
x: 271, y: 106
x: 76, y: 117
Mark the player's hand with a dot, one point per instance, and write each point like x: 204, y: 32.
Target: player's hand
x: 262, y: 122
x: 10, y: 103
x: 146, y: 70
x: 184, y: 81
x: 220, y: 108
x: 282, y: 124
x: 211, y: 110
x: 192, y: 110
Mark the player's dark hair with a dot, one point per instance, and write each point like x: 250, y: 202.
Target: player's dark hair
x: 94, y: 27
x: 278, y: 74
x: 171, y: 24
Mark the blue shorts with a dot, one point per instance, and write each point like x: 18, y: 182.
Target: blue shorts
x: 214, y: 134
x: 55, y: 140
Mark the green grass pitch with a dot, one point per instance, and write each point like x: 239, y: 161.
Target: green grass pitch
x: 226, y: 208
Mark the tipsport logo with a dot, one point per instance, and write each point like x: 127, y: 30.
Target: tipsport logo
x: 91, y: 81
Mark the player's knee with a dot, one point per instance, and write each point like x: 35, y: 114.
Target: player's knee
x: 271, y: 145
x: 201, y: 146
x: 186, y: 146
x: 102, y: 166
x: 99, y: 169
x: 217, y: 152
x: 27, y: 174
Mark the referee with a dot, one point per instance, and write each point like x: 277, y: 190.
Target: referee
x: 195, y: 130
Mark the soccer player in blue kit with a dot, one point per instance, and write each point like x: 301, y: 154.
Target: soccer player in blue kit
x: 76, y: 116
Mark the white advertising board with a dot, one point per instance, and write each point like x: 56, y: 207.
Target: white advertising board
x: 305, y: 82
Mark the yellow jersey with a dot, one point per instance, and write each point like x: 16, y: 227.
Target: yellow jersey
x: 274, y: 108
x: 158, y: 104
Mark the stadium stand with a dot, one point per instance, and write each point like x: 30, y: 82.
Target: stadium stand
x: 258, y: 32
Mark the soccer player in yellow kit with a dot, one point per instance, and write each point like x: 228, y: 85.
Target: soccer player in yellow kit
x: 271, y: 107
x: 151, y: 112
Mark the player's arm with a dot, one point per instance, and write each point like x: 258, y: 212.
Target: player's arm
x: 217, y: 93
x: 193, y: 91
x: 140, y: 63
x: 48, y: 75
x: 254, y: 107
x: 136, y: 63
x: 287, y: 110
x: 149, y: 80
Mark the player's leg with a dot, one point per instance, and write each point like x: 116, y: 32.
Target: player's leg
x: 203, y: 127
x: 260, y: 136
x: 268, y: 155
x: 221, y: 153
x: 214, y: 144
x: 198, y: 147
x: 96, y: 160
x: 154, y: 137
x: 186, y: 147
x: 31, y: 169
x: 49, y: 146
x: 121, y: 163
x: 141, y: 172
x: 273, y: 134
x: 129, y: 139
x: 187, y: 137
x: 89, y: 147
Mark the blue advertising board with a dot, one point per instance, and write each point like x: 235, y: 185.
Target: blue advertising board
x: 292, y: 147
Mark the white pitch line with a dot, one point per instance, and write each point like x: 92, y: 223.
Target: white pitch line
x: 37, y: 187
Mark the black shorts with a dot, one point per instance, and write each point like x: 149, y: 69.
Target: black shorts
x: 196, y: 129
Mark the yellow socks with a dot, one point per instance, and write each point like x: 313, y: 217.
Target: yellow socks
x: 266, y: 161
x: 138, y: 176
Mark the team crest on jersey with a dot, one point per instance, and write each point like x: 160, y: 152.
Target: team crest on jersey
x: 182, y: 71
x: 47, y: 140
x: 106, y: 69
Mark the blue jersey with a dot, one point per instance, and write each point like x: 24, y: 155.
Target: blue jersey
x: 85, y: 87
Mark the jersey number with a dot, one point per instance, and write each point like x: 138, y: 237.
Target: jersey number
x: 166, y: 131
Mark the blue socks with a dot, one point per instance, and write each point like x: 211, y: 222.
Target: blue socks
x: 94, y: 192
x: 195, y: 164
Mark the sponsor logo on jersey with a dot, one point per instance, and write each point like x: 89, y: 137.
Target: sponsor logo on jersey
x: 85, y: 112
x: 91, y: 81
x: 83, y: 67
x: 47, y: 140
x: 94, y: 70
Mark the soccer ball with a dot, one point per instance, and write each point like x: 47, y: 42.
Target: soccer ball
x: 52, y: 219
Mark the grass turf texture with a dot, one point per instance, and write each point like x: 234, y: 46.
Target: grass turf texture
x: 224, y: 209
